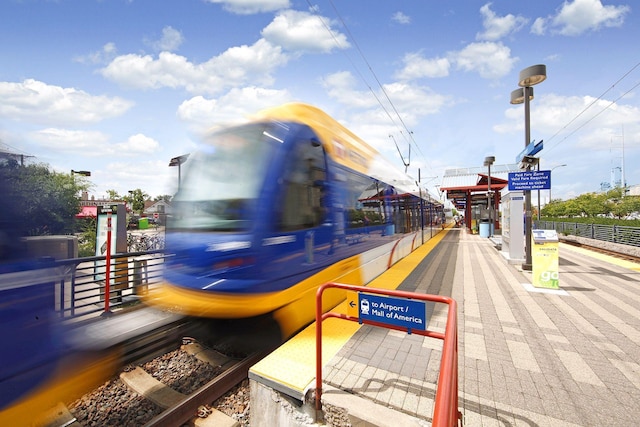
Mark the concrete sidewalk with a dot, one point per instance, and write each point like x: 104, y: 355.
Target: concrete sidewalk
x: 526, y: 358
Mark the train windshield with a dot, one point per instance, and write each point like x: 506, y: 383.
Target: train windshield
x: 220, y: 184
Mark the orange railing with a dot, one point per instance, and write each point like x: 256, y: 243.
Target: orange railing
x: 445, y: 412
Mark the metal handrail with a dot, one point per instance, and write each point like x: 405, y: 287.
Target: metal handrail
x: 620, y: 234
x: 445, y: 412
x: 81, y: 285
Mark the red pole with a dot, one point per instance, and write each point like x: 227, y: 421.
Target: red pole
x: 107, y: 275
x: 319, y: 347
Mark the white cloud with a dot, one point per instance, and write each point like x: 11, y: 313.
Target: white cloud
x: 137, y: 144
x: 92, y: 143
x: 304, y: 32
x: 416, y: 66
x: 539, y: 26
x: 234, y: 67
x: 170, y: 41
x: 103, y: 56
x: 40, y: 103
x: 202, y: 114
x: 580, y: 16
x: 247, y: 7
x: 496, y: 27
x: 340, y: 86
x: 490, y: 60
x: 596, y: 121
x: 76, y: 142
x: 411, y: 101
x: 125, y: 176
x: 401, y: 18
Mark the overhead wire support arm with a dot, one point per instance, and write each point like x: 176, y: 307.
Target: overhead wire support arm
x: 406, y: 164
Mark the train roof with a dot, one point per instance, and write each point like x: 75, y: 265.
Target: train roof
x: 342, y: 145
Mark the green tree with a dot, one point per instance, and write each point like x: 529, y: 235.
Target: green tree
x: 136, y: 199
x: 38, y: 200
x: 113, y: 195
x: 593, y: 204
x: 625, y: 206
x: 87, y: 238
x: 555, y: 208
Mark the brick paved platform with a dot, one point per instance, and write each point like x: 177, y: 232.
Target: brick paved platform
x: 526, y: 357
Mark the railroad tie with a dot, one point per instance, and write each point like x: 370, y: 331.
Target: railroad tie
x: 164, y: 396
x: 146, y: 385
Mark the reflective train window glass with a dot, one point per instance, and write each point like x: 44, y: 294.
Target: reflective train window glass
x: 303, y: 178
x: 221, y: 181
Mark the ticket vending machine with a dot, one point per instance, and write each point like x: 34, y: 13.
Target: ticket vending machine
x: 513, y: 225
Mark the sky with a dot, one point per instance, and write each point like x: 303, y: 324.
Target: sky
x: 119, y: 87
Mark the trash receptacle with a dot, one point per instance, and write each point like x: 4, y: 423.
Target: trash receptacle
x: 143, y: 223
x: 544, y: 257
x: 485, y: 230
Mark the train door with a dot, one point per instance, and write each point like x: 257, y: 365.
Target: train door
x: 301, y: 228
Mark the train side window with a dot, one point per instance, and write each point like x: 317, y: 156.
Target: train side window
x: 302, y: 189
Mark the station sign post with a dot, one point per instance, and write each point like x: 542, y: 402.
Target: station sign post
x: 529, y: 180
x: 400, y: 310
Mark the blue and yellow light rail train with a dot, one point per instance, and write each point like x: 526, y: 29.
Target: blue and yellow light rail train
x: 269, y: 210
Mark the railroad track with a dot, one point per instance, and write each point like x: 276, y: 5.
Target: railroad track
x: 177, y: 388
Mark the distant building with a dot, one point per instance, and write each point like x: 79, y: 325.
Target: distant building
x: 161, y: 207
x: 157, y: 210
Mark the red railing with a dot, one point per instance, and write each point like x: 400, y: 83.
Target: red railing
x: 445, y: 412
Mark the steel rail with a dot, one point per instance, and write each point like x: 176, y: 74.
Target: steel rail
x: 186, y: 410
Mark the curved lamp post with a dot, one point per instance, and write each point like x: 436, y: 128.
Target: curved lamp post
x: 178, y: 161
x: 528, y: 77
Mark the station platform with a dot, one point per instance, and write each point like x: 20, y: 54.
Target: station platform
x: 527, y: 356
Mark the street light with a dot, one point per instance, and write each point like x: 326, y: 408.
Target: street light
x: 488, y: 161
x: 528, y: 77
x: 83, y: 173
x: 178, y: 161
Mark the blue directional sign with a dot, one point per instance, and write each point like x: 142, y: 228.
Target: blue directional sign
x: 529, y: 180
x: 408, y: 313
x: 530, y: 150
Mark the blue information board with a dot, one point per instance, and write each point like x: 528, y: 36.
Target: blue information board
x: 402, y: 312
x: 529, y: 180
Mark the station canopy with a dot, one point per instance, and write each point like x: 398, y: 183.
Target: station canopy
x: 466, y: 187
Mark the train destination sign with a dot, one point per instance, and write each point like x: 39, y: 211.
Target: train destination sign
x: 529, y: 180
x: 407, y: 313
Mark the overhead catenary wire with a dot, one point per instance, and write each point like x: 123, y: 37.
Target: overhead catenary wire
x: 591, y: 105
x: 402, y: 126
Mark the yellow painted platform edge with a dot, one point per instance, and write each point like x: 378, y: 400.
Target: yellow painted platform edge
x: 336, y: 332
x: 602, y: 257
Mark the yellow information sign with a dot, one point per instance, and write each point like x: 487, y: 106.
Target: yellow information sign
x: 545, y: 257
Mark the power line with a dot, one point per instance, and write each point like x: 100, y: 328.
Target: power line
x: 411, y: 140
x: 592, y: 104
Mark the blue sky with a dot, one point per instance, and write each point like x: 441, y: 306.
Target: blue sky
x: 119, y: 87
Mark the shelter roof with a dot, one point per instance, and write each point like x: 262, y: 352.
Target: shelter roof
x: 471, y: 177
x: 463, y: 182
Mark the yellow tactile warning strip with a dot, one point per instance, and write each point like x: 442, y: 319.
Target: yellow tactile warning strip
x: 291, y: 368
x: 603, y: 257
